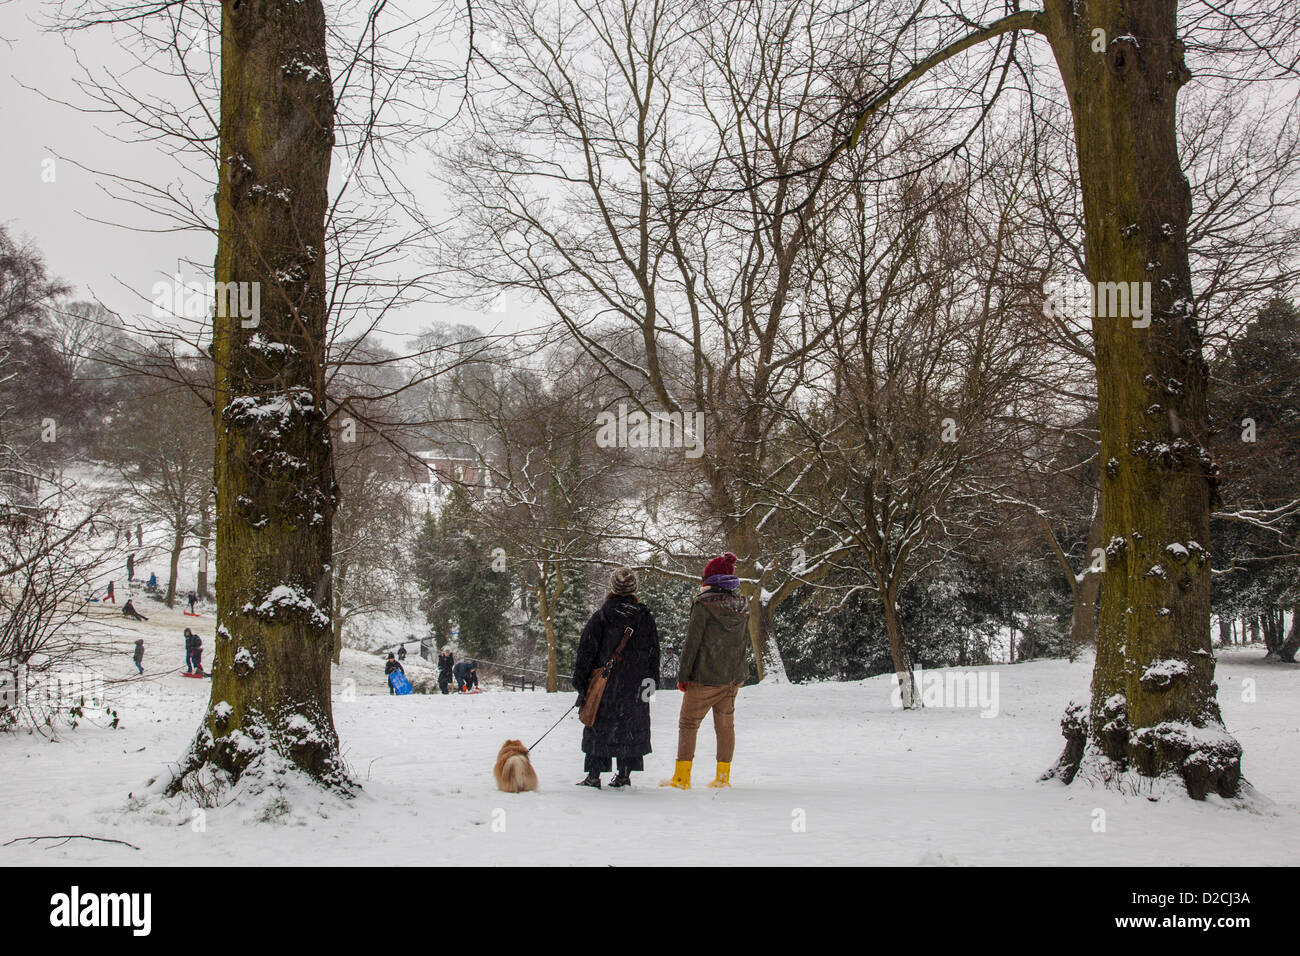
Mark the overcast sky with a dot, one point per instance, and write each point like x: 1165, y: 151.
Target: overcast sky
x: 66, y: 211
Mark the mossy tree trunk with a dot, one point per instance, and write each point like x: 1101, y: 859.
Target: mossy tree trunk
x: 1154, y: 706
x: 275, y: 488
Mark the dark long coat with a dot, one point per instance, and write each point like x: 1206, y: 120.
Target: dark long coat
x: 622, y: 726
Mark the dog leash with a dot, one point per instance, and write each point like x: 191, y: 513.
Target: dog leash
x: 553, y: 726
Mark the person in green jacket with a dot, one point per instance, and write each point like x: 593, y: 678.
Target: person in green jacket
x: 712, y: 668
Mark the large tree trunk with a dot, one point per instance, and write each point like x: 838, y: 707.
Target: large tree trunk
x: 546, y: 608
x: 205, y: 547
x: 336, y: 619
x: 1272, y: 621
x: 1083, y: 618
x: 174, y: 566
x: 898, y: 649
x: 745, y: 542
x: 1154, y: 708
x: 762, y: 638
x: 276, y: 494
x: 1289, y: 647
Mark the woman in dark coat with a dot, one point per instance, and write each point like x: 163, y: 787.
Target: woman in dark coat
x: 445, y: 662
x: 622, y: 728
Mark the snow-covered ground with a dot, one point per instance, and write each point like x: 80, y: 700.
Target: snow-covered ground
x: 827, y: 773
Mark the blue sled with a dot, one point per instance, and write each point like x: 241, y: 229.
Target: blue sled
x: 399, y: 683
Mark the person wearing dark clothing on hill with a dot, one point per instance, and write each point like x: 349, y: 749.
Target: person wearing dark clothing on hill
x: 621, y: 731
x: 189, y: 650
x: 392, y: 666
x: 445, y: 663
x: 466, y: 675
x: 108, y: 595
x: 197, y: 655
x: 712, y: 668
x: 193, y: 599
x: 128, y: 610
x: 138, y: 656
x: 401, y: 652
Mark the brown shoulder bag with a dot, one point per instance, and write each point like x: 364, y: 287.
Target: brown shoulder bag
x: 596, y: 687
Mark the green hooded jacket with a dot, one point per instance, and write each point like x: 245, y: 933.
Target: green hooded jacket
x: 716, y: 638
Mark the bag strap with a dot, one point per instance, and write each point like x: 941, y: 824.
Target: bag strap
x: 618, y: 651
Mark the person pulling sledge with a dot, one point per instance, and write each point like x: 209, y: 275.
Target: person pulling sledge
x: 712, y: 668
x: 392, y: 666
x: 193, y: 599
x: 621, y: 731
x: 466, y: 676
x: 128, y: 610
x: 197, y: 655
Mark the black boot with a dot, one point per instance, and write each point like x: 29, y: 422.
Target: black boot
x: 592, y: 780
x: 621, y: 779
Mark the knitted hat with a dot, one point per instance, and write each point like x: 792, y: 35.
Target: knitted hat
x: 723, y: 565
x: 622, y: 582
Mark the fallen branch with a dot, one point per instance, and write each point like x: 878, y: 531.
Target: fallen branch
x: 65, y: 837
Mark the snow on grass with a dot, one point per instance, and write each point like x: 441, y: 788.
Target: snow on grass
x: 872, y: 784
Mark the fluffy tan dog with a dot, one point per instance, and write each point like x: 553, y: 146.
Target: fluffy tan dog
x: 513, y: 771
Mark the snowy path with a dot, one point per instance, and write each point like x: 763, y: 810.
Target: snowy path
x: 875, y: 785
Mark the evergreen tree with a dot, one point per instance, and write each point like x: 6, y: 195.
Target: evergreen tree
x: 460, y: 585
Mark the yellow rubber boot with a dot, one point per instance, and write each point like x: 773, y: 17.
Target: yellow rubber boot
x: 723, y: 779
x: 681, y: 776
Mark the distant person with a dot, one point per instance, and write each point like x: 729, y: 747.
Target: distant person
x: 109, y: 596
x: 193, y: 599
x: 392, y: 666
x: 153, y: 582
x: 138, y: 657
x: 128, y: 610
x: 466, y: 675
x: 401, y: 652
x: 130, y: 567
x: 445, y: 663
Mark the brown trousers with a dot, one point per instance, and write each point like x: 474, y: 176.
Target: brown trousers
x: 698, y: 700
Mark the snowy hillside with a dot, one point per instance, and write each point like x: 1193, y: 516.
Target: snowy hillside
x: 827, y: 773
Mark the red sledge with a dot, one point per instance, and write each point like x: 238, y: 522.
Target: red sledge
x: 188, y: 674
x: 189, y: 614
